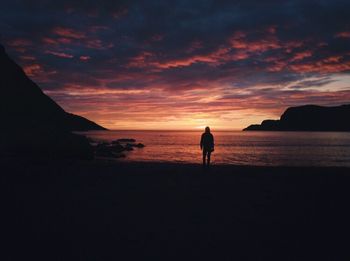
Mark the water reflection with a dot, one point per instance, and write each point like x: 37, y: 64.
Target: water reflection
x: 242, y: 148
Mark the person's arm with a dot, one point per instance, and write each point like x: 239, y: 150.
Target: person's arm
x: 213, y: 144
x: 201, y: 142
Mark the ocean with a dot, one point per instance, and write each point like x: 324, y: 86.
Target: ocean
x: 238, y: 147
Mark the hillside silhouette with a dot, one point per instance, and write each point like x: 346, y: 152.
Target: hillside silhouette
x: 308, y: 118
x: 24, y: 104
x: 32, y: 123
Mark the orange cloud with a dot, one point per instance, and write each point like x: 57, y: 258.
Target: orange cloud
x: 33, y: 69
x: 211, y: 58
x: 301, y: 55
x: 146, y: 59
x: 328, y: 65
x: 277, y: 66
x: 239, y: 41
x: 237, y: 48
x: 333, y: 59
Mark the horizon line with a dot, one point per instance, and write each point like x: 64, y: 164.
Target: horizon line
x: 193, y: 130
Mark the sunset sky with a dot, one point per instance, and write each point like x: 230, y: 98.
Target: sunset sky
x: 182, y: 64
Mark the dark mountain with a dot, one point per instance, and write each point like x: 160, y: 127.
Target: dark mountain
x: 24, y: 104
x: 309, y: 118
x: 32, y: 123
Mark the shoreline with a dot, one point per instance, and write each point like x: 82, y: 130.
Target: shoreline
x: 115, y: 162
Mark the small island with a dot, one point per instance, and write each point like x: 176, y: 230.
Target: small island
x: 308, y: 118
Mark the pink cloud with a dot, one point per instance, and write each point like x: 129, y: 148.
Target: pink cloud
x: 289, y: 46
x: 344, y: 34
x: 60, y: 54
x: 147, y: 59
x: 238, y: 48
x: 140, y: 60
x: 68, y: 33
x: 271, y: 29
x: 19, y: 42
x: 277, y: 66
x: 48, y: 40
x: 84, y: 57
x: 333, y: 59
x: 240, y: 55
x: 195, y: 45
x: 328, y: 65
x: 33, y: 69
x: 256, y: 46
x: 97, y: 44
x: 239, y: 41
x: 211, y: 58
x: 65, y: 35
x: 27, y: 58
x: 56, y: 41
x: 301, y: 55
x: 242, y: 48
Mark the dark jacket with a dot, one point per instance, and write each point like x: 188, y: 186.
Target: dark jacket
x: 207, y: 141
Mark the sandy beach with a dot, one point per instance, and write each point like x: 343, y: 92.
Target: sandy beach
x: 104, y: 210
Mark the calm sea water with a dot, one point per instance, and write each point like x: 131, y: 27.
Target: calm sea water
x: 238, y: 147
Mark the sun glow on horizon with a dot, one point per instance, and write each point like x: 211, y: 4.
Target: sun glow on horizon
x: 175, y: 124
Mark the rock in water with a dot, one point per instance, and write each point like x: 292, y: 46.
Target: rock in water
x: 126, y: 140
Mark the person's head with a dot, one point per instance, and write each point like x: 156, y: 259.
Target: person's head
x: 207, y: 129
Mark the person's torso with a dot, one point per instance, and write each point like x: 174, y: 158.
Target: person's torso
x: 207, y: 140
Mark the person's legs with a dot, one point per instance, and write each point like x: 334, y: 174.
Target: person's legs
x: 204, y: 156
x: 208, y: 157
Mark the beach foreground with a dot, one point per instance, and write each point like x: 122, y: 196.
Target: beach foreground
x: 103, y: 210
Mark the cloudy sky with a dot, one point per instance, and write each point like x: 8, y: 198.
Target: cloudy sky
x: 182, y: 64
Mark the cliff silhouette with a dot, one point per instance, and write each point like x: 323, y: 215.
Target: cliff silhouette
x: 24, y: 104
x: 308, y: 118
x: 32, y: 123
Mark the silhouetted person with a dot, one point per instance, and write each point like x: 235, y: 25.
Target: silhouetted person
x: 207, y: 146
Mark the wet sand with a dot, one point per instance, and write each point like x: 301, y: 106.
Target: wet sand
x: 103, y: 210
